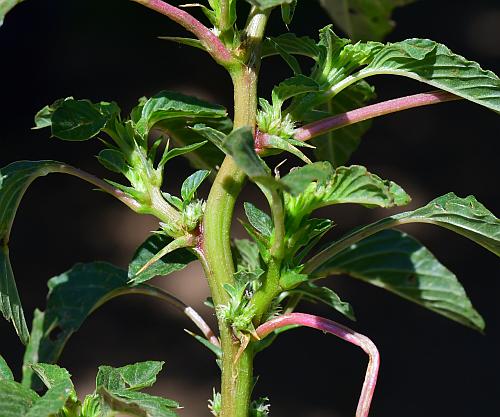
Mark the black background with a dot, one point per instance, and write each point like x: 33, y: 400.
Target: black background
x: 107, y: 50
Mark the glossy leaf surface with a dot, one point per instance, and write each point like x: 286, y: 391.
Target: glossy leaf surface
x: 433, y: 63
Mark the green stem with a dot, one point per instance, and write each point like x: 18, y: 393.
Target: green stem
x: 237, y: 367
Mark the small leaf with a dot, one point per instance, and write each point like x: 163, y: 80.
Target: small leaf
x: 363, y: 20
x: 313, y: 293
x: 347, y: 185
x: 168, y: 105
x: 287, y: 12
x: 240, y: 145
x: 258, y: 219
x: 5, y: 372
x: 77, y: 120
x: 290, y: 279
x: 247, y: 254
x: 300, y: 178
x: 172, y: 262
x: 213, y: 135
x: 51, y: 375
x: 53, y: 401
x: 181, y: 135
x: 113, y: 160
x: 15, y: 400
x: 292, y: 44
x: 397, y: 262
x: 129, y: 377
x: 10, y: 303
x: 191, y: 184
x: 137, y: 403
x: 172, y: 153
x: 276, y: 142
x: 291, y: 87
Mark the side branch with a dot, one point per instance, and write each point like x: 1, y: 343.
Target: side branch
x: 209, y: 40
x: 344, y: 333
x: 148, y: 290
x: 338, y: 121
x: 103, y: 185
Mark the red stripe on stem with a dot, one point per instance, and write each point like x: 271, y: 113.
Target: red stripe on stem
x: 210, y: 41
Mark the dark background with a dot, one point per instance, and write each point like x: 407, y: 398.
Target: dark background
x: 108, y: 50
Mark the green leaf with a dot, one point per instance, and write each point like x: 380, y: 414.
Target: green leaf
x: 363, y: 20
x: 398, y: 263
x: 292, y: 44
x: 15, y: 400
x: 129, y: 377
x: 137, y: 403
x: 276, y: 142
x: 465, y: 216
x: 5, y: 372
x: 306, y: 236
x: 287, y: 12
x: 347, y: 185
x: 191, y: 184
x: 290, y: 279
x: 172, y: 262
x: 269, y: 4
x: 182, y: 136
x: 77, y: 120
x: 16, y: 179
x: 300, y: 178
x: 433, y: 63
x: 213, y: 135
x: 10, y: 303
x: 258, y: 219
x: 338, y: 146
x: 247, y: 254
x: 172, y: 153
x: 6, y: 6
x: 53, y: 401
x: 51, y: 375
x: 113, y: 160
x: 73, y: 296
x: 240, y: 145
x: 168, y: 105
x: 313, y: 293
x: 291, y: 87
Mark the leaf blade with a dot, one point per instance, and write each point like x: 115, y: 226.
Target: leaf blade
x: 400, y: 264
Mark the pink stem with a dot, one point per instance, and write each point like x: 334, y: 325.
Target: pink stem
x: 328, y: 124
x: 343, y: 332
x: 210, y: 41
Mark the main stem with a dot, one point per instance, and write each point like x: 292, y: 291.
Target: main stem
x: 237, y: 367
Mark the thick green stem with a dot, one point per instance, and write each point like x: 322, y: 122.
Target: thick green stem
x: 237, y: 366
